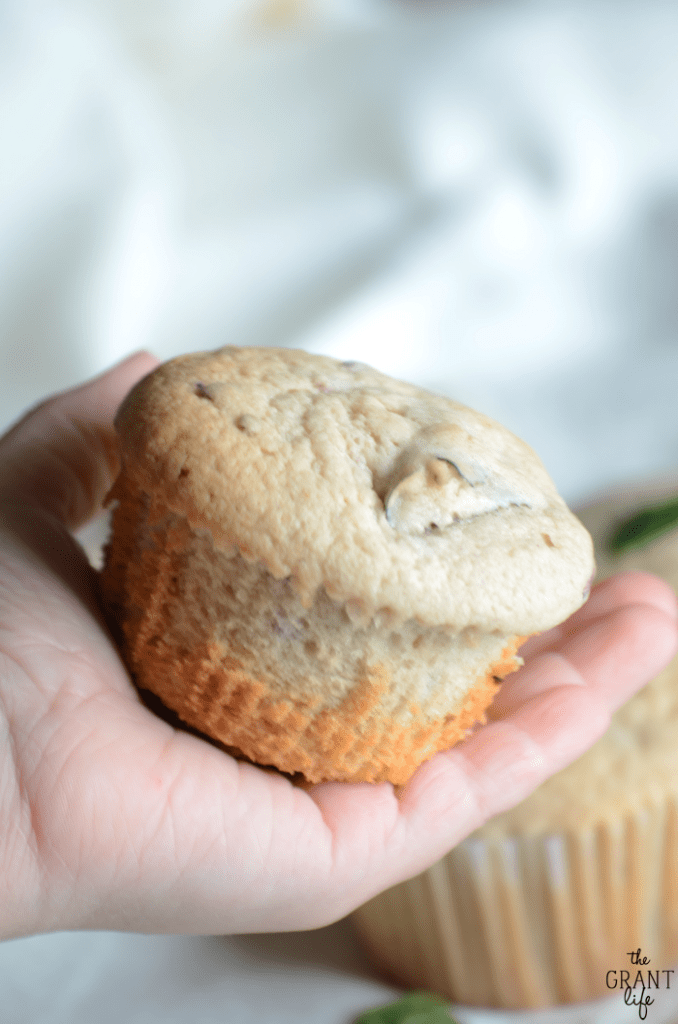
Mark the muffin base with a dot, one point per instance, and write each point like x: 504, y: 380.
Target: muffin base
x: 350, y: 742
x: 317, y: 691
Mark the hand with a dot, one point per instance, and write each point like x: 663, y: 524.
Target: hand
x: 109, y: 818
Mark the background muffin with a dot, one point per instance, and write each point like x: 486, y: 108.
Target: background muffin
x: 324, y: 568
x: 536, y: 907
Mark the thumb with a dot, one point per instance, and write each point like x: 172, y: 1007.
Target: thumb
x: 62, y: 456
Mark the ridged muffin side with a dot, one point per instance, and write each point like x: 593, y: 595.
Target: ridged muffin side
x: 236, y: 655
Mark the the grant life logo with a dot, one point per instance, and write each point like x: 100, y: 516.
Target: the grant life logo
x: 637, y: 985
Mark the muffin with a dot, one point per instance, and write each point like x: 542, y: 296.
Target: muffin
x: 324, y: 569
x: 546, y: 902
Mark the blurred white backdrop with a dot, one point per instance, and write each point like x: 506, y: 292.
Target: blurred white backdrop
x: 480, y: 197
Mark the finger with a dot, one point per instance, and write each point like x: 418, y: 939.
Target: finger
x: 623, y: 588
x: 62, y: 456
x: 607, y: 653
x: 622, y: 651
x: 547, y: 715
x: 502, y: 763
x: 630, y: 588
x: 542, y: 673
x: 560, y: 705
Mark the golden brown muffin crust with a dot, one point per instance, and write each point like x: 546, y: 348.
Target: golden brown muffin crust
x: 395, y: 500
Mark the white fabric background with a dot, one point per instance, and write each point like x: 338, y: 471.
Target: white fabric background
x: 480, y: 197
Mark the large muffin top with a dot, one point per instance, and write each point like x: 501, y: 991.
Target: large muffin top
x: 399, y: 502
x: 634, y: 763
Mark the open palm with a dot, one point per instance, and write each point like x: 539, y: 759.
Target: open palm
x: 110, y: 818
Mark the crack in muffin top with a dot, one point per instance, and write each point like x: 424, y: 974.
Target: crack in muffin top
x: 399, y: 502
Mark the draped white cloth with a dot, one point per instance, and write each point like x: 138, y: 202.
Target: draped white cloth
x: 479, y: 197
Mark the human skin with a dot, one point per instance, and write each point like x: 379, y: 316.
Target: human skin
x: 110, y: 818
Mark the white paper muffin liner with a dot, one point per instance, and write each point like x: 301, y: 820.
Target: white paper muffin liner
x: 535, y: 920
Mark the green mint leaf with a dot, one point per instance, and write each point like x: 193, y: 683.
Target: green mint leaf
x: 413, y: 1008
x: 437, y: 1016
x: 644, y: 526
